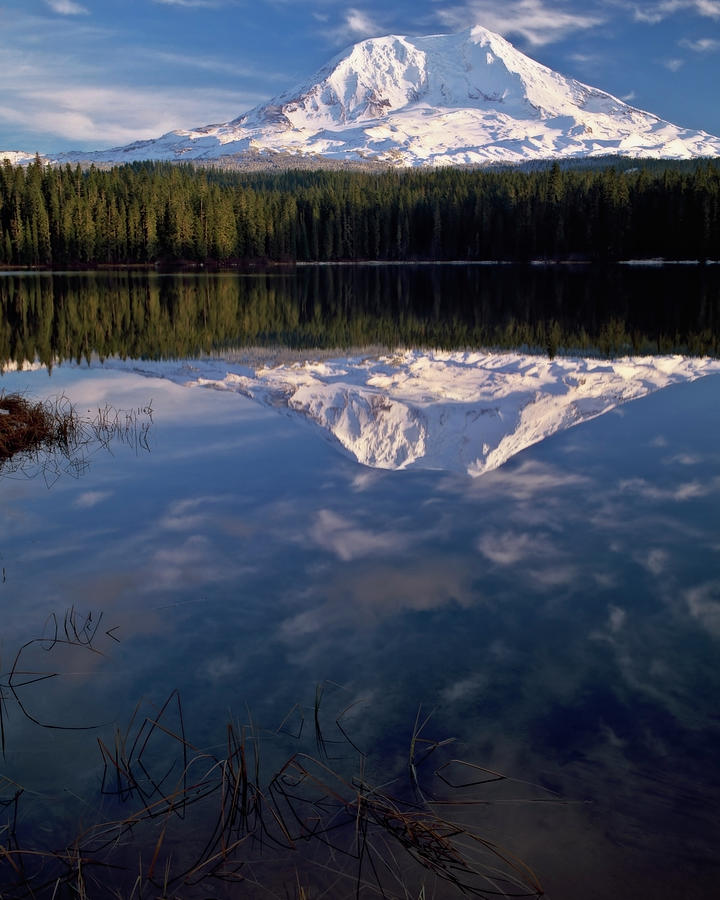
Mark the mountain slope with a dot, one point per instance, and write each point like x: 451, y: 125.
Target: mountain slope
x: 449, y: 99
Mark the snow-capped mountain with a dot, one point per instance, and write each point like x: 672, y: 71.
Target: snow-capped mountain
x: 447, y: 99
x: 16, y: 157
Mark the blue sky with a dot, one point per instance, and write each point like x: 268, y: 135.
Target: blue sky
x: 88, y: 74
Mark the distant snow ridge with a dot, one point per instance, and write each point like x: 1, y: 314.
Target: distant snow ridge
x: 467, y: 412
x: 16, y: 157
x: 444, y: 99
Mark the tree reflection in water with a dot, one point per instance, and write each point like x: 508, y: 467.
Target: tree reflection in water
x: 610, y: 310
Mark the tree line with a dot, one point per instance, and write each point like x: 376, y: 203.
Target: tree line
x: 149, y: 212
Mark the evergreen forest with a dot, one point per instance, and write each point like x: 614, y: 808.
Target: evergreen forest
x: 159, y: 212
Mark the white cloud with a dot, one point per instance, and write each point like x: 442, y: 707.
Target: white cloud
x: 709, y: 8
x: 348, y: 541
x: 116, y: 114
x: 222, y: 668
x: 555, y: 576
x: 683, y: 459
x: 702, y: 45
x: 656, y: 561
x: 703, y: 603
x: 653, y: 13
x: 67, y: 8
x: 71, y: 100
x: 587, y: 59
x: 530, y: 478
x: 673, y: 64
x: 91, y: 498
x: 359, y: 23
x: 365, y: 480
x: 689, y: 490
x: 189, y: 563
x: 628, y: 98
x: 192, y: 4
x: 189, y: 514
x: 355, y: 24
x: 509, y: 548
x: 617, y: 617
x: 538, y: 22
x: 466, y: 689
x: 211, y: 64
x: 657, y: 12
x: 376, y: 593
x: 68, y: 83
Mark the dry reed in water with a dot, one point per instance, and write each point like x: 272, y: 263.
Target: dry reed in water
x: 201, y: 821
x: 28, y: 426
x: 50, y: 437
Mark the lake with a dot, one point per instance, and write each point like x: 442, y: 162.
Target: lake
x: 260, y: 647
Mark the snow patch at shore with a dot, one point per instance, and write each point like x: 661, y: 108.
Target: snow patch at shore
x: 457, y: 411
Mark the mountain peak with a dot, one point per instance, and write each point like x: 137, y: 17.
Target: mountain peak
x: 442, y: 99
x: 473, y: 69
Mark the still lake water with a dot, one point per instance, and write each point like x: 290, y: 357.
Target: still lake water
x: 559, y: 617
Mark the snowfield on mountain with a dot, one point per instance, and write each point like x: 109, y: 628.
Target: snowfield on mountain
x: 444, y: 99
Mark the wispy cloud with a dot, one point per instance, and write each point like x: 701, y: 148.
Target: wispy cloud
x: 555, y: 576
x: 190, y: 514
x: 586, y: 59
x: 509, y: 548
x: 590, y: 63
x: 114, y: 114
x: 537, y: 21
x: 70, y: 98
x: 702, y: 45
x: 530, y: 478
x: 657, y: 12
x: 376, y: 593
x: 67, y: 8
x: 194, y: 4
x: 359, y: 23
x: 349, y: 541
x: 466, y: 688
x: 616, y: 618
x: 683, y: 459
x: 355, y: 24
x: 91, y: 498
x: 212, y: 64
x: 703, y: 603
x: 189, y: 563
x: 689, y: 490
x: 709, y: 8
x: 655, y: 561
x: 674, y: 64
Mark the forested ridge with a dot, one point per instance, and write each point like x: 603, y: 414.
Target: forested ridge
x: 149, y: 212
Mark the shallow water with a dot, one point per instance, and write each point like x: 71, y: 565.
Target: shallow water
x: 560, y: 617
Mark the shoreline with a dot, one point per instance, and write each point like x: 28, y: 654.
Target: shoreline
x: 212, y: 266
